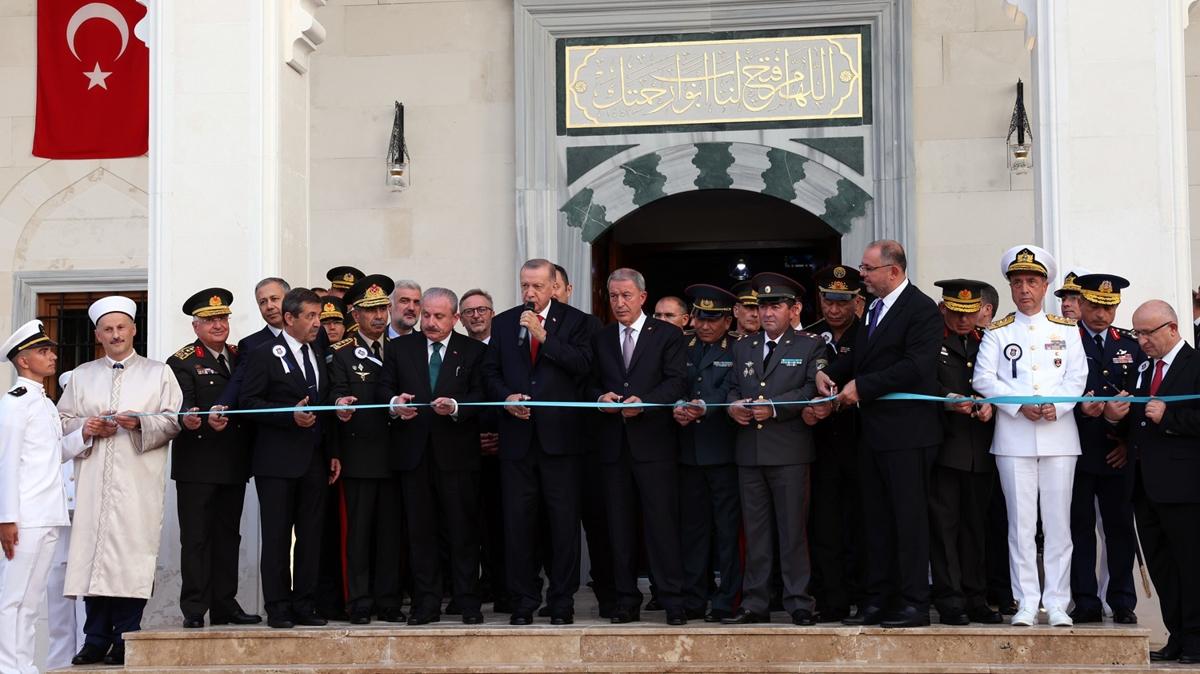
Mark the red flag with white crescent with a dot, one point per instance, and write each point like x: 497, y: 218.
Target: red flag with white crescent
x: 93, y: 80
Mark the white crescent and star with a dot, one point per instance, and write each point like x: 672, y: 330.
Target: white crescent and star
x: 106, y: 12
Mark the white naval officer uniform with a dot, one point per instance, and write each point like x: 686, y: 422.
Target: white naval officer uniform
x: 32, y: 450
x: 1030, y: 356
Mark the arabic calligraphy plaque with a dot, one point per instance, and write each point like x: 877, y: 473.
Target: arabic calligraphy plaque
x: 799, y: 77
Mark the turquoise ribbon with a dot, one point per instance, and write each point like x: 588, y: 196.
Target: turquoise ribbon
x: 576, y: 404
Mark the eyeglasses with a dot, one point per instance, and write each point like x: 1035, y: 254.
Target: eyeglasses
x: 214, y: 319
x: 1138, y: 334
x: 476, y: 311
x: 867, y: 269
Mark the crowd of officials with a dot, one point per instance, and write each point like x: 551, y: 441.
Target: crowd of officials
x: 745, y: 463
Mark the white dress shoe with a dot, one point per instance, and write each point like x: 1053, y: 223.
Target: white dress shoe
x: 1059, y: 617
x: 1026, y: 617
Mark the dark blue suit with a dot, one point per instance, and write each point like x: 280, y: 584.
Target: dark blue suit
x: 540, y: 458
x: 1095, y: 480
x: 708, y: 482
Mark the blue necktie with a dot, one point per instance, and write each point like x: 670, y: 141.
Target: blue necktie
x: 873, y: 321
x: 310, y: 377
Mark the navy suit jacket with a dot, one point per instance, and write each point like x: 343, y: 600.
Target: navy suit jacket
x: 1107, y: 372
x: 901, y: 356
x: 282, y: 448
x: 564, y: 361
x: 657, y: 373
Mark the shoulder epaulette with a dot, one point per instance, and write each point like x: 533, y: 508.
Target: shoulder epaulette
x: 1122, y: 332
x: 18, y: 391
x: 806, y: 333
x: 1055, y: 318
x: 693, y: 342
x: 977, y: 333
x: 338, y: 346
x: 186, y: 352
x: 1007, y: 320
x: 232, y: 348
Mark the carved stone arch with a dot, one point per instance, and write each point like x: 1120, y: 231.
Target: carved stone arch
x: 605, y: 195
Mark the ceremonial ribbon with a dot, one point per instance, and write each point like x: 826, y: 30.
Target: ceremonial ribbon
x: 567, y: 404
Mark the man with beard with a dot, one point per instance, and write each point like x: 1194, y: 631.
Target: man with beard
x: 210, y: 463
x: 372, y: 498
x: 836, y: 521
x: 405, y: 309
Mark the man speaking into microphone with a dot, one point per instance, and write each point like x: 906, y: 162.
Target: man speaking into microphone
x: 539, y: 351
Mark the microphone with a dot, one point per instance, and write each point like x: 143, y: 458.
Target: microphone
x: 523, y: 334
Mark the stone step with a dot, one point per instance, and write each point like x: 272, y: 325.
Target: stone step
x: 597, y: 647
x: 679, y: 668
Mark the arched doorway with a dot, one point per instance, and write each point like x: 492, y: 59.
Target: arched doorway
x: 702, y: 235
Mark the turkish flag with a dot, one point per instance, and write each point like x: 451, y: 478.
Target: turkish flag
x: 93, y: 80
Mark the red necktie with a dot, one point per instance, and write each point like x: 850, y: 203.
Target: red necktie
x: 1158, y: 376
x: 533, y: 343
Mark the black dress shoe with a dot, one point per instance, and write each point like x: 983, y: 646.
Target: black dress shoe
x: 312, y: 620
x: 239, y: 618
x: 360, y: 618
x: 908, y: 616
x: 562, y: 618
x: 716, y: 615
x: 952, y: 617
x: 607, y: 609
x: 1189, y: 658
x: 653, y: 605
x: 1007, y: 607
x: 803, y: 617
x: 521, y: 619
x: 280, y: 622
x: 116, y: 656
x: 192, y: 622
x: 328, y: 614
x: 1080, y: 616
x: 676, y: 617
x: 1171, y: 651
x: 985, y: 615
x: 472, y: 618
x: 865, y: 615
x: 392, y: 615
x: 1124, y: 616
x: 621, y: 616
x: 744, y: 617
x: 90, y: 655
x: 452, y: 608
x: 832, y: 616
x: 423, y: 618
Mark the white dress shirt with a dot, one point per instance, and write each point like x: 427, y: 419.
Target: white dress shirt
x: 887, y: 301
x: 294, y: 345
x: 32, y: 450
x: 1167, y: 360
x: 637, y: 331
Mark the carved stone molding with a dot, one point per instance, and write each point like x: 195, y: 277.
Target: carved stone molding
x: 302, y: 33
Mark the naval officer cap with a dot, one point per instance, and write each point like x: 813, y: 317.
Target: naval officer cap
x: 333, y: 309
x: 28, y: 336
x: 208, y: 303
x: 1028, y: 259
x: 1070, y: 286
x: 838, y: 282
x: 709, y: 301
x: 370, y: 291
x: 110, y: 304
x: 961, y: 295
x: 343, y: 277
x: 1104, y: 289
x: 746, y: 294
x: 772, y: 288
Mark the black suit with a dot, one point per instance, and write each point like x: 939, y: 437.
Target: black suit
x: 540, y: 458
x: 372, y: 496
x: 1166, y: 497
x: 901, y: 439
x: 835, y: 519
x: 640, y: 456
x: 960, y: 489
x: 438, y: 460
x: 210, y: 470
x: 290, y: 473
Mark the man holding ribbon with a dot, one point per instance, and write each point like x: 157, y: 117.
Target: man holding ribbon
x: 1031, y: 354
x: 119, y: 480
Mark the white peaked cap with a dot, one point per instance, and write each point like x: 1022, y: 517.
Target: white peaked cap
x: 107, y: 305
